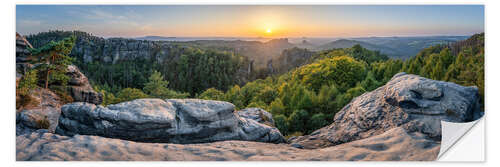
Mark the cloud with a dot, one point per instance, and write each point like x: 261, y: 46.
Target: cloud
x: 29, y: 23
x: 100, y: 14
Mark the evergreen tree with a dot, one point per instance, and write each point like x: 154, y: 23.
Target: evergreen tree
x: 129, y: 94
x: 157, y: 87
x: 54, y: 59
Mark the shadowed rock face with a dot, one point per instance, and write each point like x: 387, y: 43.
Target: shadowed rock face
x: 80, y: 88
x: 415, y: 103
x: 171, y: 121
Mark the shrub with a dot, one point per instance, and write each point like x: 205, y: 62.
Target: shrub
x: 294, y: 134
x: 128, y: 94
x: 62, y: 93
x: 317, y: 121
x: 43, y: 123
x: 212, y: 94
x: 25, y: 101
x: 281, y: 123
x: 297, y: 120
x: 277, y: 107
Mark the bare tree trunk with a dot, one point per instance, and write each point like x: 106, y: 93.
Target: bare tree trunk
x: 47, y: 80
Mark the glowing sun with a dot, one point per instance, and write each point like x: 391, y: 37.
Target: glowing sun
x: 269, y: 31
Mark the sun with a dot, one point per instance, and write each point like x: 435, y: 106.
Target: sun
x: 269, y: 31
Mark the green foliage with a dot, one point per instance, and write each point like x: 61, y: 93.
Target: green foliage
x: 302, y: 100
x: 280, y: 121
x: 326, y: 100
x: 128, y: 94
x: 157, y: 88
x: 257, y: 104
x: 211, y: 94
x: 370, y: 83
x: 43, y: 123
x: 187, y: 69
x: 317, y: 121
x: 54, y: 58
x: 28, y: 82
x: 266, y: 95
x: 277, y: 107
x: 107, y: 97
x: 297, y: 121
x: 308, y: 97
x: 62, y: 93
x: 343, y: 71
x: 233, y: 96
x: 461, y: 63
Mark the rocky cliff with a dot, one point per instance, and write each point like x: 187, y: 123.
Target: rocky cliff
x: 45, y: 114
x: 89, y: 48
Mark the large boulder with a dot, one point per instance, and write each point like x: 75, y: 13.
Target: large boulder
x: 414, y: 103
x: 170, y: 121
x: 79, y: 87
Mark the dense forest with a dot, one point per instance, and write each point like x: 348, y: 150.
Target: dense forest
x: 302, y: 97
x: 188, y: 69
x: 308, y: 97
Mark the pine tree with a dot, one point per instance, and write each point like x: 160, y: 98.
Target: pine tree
x: 54, y: 59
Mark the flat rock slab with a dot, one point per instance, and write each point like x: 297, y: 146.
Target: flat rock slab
x: 166, y: 121
x: 395, y: 144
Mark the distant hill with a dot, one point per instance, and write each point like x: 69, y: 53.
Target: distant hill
x: 305, y: 44
x: 394, y: 47
x: 346, y: 43
x: 156, y: 38
x: 410, y: 46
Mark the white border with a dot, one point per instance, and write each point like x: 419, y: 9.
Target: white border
x: 8, y: 66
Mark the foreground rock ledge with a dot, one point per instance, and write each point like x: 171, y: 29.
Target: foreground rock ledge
x: 393, y: 145
x: 166, y: 121
x: 409, y: 101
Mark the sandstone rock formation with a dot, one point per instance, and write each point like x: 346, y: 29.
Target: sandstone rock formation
x: 22, y: 46
x: 169, y: 121
x: 393, y: 145
x: 257, y: 114
x: 80, y: 88
x: 414, y: 103
x: 35, y: 117
x: 45, y: 114
x: 23, y: 55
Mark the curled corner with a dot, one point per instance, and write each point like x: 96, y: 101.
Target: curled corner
x: 452, y: 132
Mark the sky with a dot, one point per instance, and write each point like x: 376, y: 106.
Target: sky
x: 253, y: 21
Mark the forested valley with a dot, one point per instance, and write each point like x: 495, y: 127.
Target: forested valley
x: 302, y: 95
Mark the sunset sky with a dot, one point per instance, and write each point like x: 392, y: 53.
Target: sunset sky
x: 253, y: 21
